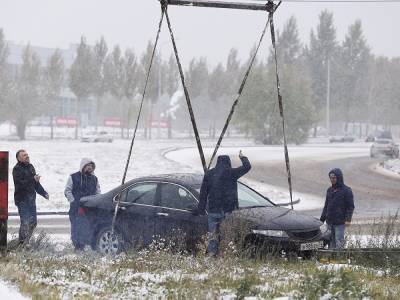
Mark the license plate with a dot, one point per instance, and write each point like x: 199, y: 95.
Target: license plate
x: 311, y: 246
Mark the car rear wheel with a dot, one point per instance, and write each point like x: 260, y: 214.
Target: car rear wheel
x: 109, y: 242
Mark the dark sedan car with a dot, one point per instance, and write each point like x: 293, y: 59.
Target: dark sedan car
x: 159, y: 205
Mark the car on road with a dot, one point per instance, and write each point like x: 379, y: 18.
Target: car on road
x: 341, y: 139
x: 384, y: 147
x: 157, y: 206
x: 95, y: 137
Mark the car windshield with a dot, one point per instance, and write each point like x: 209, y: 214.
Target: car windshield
x: 248, y: 197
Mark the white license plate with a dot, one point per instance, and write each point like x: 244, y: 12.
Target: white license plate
x: 311, y: 246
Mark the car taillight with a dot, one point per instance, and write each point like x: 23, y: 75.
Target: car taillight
x: 82, y: 211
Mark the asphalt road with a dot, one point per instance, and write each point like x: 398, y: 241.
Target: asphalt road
x: 375, y: 194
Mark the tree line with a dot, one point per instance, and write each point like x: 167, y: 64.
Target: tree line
x: 360, y: 86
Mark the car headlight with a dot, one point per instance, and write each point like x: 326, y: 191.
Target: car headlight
x: 324, y: 228
x: 272, y: 233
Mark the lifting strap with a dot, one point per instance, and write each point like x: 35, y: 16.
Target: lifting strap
x: 138, y: 116
x: 239, y: 94
x: 280, y: 99
x: 164, y: 7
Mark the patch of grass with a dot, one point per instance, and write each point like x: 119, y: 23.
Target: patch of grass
x: 162, y: 272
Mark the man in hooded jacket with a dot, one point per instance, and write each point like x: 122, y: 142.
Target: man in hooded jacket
x: 219, y: 192
x: 338, y: 208
x: 80, y: 184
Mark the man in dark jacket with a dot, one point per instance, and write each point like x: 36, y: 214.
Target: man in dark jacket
x: 80, y: 184
x: 219, y: 193
x: 27, y: 184
x: 338, y: 209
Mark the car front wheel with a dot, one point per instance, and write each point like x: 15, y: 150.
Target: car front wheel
x: 109, y: 242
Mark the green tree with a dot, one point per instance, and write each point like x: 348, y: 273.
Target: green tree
x: 115, y: 77
x: 24, y: 102
x: 131, y: 82
x: 258, y: 110
x: 100, y: 51
x: 198, y: 84
x: 154, y: 85
x: 4, y: 73
x: 216, y: 90
x: 354, y: 61
x: 322, y: 51
x: 53, y: 81
x: 81, y: 77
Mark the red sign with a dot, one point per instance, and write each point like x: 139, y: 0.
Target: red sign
x: 112, y: 122
x: 66, y: 121
x: 159, y: 124
x: 3, y: 185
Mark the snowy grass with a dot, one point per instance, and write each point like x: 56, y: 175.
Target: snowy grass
x: 159, y: 274
x: 45, y: 270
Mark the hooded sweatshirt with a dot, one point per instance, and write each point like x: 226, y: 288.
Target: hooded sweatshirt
x: 219, y: 187
x: 339, y: 203
x: 80, y: 184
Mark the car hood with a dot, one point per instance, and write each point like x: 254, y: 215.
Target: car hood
x: 102, y: 201
x: 278, y: 218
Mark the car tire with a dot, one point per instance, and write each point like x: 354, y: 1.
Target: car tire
x: 108, y: 242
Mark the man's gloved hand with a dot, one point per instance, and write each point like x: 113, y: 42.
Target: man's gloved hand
x: 47, y: 197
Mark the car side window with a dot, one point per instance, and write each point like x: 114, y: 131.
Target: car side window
x: 142, y: 194
x: 175, y: 196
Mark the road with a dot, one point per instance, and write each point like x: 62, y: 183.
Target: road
x: 375, y: 194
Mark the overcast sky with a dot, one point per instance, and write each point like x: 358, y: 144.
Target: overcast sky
x: 200, y: 31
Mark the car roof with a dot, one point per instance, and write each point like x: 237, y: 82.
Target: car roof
x: 192, y: 180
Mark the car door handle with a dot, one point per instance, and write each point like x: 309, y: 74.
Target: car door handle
x: 162, y: 214
x: 122, y: 208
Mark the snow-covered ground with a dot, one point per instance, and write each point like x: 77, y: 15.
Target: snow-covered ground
x: 392, y: 165
x: 9, y: 292
x: 55, y: 160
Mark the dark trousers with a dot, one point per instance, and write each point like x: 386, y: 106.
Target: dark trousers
x: 80, y: 234
x: 73, y: 218
x: 28, y: 217
x: 214, y: 222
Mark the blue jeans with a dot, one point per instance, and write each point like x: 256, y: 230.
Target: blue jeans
x: 337, y: 236
x: 214, y: 221
x: 28, y: 217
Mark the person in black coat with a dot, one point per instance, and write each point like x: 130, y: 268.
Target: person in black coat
x: 27, y: 184
x: 338, y: 208
x: 80, y: 184
x: 219, y: 194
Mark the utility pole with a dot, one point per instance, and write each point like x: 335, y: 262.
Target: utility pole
x: 328, y: 92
